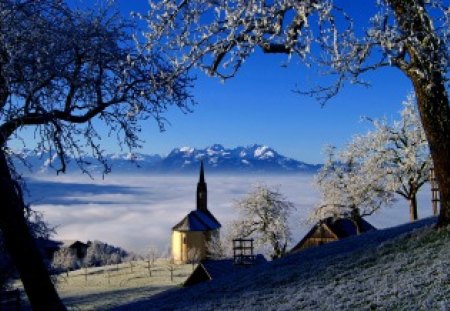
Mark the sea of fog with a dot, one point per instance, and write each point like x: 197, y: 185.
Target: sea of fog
x: 136, y: 212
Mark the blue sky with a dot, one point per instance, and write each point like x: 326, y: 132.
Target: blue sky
x: 259, y: 106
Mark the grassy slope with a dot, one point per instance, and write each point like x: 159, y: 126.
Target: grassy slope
x: 401, y: 268
x: 107, y: 287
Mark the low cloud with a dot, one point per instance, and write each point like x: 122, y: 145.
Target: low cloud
x: 135, y: 212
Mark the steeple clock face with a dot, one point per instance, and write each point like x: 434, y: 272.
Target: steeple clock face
x: 200, y: 195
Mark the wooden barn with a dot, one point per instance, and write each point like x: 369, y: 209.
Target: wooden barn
x: 329, y: 230
x: 50, y: 247
x: 78, y: 248
x: 210, y: 269
x: 192, y: 234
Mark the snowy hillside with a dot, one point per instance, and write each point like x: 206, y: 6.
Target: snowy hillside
x: 253, y: 158
x: 400, y: 268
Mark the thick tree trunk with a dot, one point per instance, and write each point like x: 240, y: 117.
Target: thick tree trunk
x: 21, y: 246
x: 413, y: 208
x: 427, y: 75
x: 435, y: 113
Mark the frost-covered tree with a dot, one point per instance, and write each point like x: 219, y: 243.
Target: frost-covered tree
x: 263, y: 215
x: 410, y: 35
x: 216, y: 248
x: 101, y: 254
x: 402, y: 149
x: 391, y: 158
x: 64, y: 73
x: 65, y: 259
x: 350, y: 187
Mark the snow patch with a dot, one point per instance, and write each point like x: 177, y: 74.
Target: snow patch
x: 188, y: 150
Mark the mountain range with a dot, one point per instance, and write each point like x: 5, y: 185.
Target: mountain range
x: 216, y: 158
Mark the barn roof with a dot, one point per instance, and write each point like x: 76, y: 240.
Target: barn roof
x: 197, y: 221
x: 47, y: 243
x: 344, y: 227
x: 341, y: 227
x: 73, y: 243
x: 209, y: 269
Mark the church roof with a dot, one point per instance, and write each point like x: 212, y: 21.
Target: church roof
x: 198, y: 221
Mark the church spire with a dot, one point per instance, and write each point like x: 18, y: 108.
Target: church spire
x: 202, y: 173
x: 202, y: 191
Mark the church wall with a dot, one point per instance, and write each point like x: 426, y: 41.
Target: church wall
x: 178, y: 246
x: 186, y: 245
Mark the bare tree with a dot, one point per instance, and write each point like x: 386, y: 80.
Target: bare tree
x: 152, y: 255
x: 263, y: 215
x: 64, y: 72
x: 412, y: 36
x: 194, y: 256
x: 171, y: 267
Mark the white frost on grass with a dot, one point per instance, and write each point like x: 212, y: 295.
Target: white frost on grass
x: 402, y: 268
x: 103, y: 288
x: 136, y: 211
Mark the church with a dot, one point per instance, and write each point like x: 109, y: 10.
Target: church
x: 191, y: 235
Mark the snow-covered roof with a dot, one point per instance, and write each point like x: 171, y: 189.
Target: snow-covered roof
x: 210, y: 269
x: 344, y: 227
x: 198, y: 221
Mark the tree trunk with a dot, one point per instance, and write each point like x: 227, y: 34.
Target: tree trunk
x: 413, y: 208
x: 21, y: 246
x: 356, y: 219
x: 435, y: 113
x: 427, y: 76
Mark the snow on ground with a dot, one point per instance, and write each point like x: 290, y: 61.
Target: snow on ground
x: 135, y: 212
x: 400, y: 268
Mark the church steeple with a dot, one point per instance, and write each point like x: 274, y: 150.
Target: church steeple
x: 202, y: 191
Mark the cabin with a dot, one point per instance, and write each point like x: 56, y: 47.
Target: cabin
x: 192, y: 234
x: 78, y: 248
x: 50, y: 247
x: 329, y: 230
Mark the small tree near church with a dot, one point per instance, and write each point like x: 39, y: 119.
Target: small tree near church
x: 263, y: 216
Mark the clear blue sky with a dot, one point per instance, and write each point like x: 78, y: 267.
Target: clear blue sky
x: 259, y: 106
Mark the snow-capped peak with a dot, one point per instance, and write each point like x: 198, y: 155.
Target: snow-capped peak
x: 263, y: 152
x: 188, y: 150
x: 253, y: 158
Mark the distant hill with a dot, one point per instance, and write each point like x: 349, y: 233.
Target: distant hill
x: 252, y: 158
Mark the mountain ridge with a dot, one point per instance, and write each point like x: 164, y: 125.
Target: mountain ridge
x: 252, y: 158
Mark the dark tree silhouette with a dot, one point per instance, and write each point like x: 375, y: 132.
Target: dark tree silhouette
x: 64, y: 72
